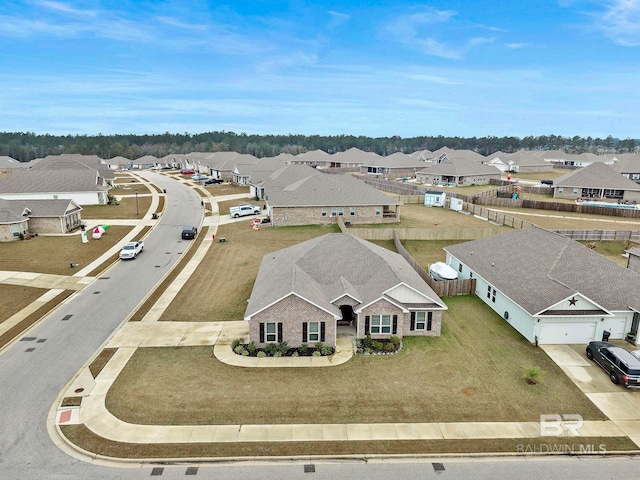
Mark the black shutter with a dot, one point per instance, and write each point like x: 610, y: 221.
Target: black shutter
x: 395, y: 325
x: 429, y: 320
x: 304, y: 332
x: 366, y: 325
x: 261, y: 332
x: 322, y: 331
x: 413, y: 321
x: 279, y: 331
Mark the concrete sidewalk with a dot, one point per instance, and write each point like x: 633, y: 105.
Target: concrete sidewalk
x: 152, y: 333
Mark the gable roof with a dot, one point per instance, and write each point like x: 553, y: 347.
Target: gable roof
x: 461, y: 167
x: 326, y: 268
x: 306, y: 186
x: 13, y: 211
x: 51, y: 181
x: 537, y: 268
x: 395, y: 160
x: 596, y: 175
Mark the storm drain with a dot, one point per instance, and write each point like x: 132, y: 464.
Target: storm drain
x: 191, y: 471
x: 66, y: 317
x: 95, y: 293
x: 104, y: 278
x: 29, y: 350
x: 157, y: 471
x: 311, y: 468
x: 438, y: 467
x: 41, y: 340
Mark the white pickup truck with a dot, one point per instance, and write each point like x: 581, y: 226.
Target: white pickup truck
x: 244, y: 209
x: 131, y: 250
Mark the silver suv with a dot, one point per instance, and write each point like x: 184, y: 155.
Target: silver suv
x: 621, y: 366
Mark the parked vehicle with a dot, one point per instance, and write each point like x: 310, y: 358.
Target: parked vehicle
x: 244, y: 209
x: 199, y: 176
x: 620, y: 364
x: 131, y: 250
x: 212, y: 181
x: 189, y: 233
x: 187, y: 171
x: 548, y: 183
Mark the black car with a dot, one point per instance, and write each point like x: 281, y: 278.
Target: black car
x: 189, y: 232
x: 549, y: 183
x: 621, y: 366
x: 211, y: 181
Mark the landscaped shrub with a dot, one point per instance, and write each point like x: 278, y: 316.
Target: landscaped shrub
x: 389, y: 347
x: 277, y: 353
x: 245, y: 352
x: 303, y: 349
x: 318, y: 345
x: 295, y: 353
x: 283, y: 348
x: 238, y: 349
x: 395, y: 340
x: 270, y: 349
x: 317, y: 353
x: 326, y: 350
x: 235, y: 342
x: 251, y: 347
x: 367, y: 342
x: 378, y: 346
x: 261, y: 354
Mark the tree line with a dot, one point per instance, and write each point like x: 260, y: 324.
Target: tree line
x: 28, y: 146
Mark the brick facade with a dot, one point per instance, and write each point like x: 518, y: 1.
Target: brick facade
x: 288, y: 216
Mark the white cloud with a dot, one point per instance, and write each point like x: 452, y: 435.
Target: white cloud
x: 515, y: 45
x: 65, y: 8
x: 620, y: 21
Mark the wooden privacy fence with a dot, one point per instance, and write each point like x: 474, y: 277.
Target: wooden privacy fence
x: 422, y: 233
x: 601, y: 235
x: 447, y: 288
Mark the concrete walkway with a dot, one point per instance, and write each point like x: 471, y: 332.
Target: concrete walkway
x: 152, y: 333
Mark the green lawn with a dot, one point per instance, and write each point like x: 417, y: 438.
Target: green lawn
x: 473, y: 372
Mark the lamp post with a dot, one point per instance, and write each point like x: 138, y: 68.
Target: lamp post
x: 137, y: 202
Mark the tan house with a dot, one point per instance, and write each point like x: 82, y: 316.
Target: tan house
x: 22, y: 218
x: 458, y: 172
x: 596, y: 181
x: 306, y: 293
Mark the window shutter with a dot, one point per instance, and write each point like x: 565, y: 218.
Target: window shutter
x: 366, y: 324
x: 413, y: 321
x: 429, y: 320
x: 279, y: 331
x: 262, y: 333
x: 395, y: 325
x: 322, y: 331
x: 304, y: 332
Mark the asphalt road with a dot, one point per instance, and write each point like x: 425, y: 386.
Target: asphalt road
x: 34, y: 372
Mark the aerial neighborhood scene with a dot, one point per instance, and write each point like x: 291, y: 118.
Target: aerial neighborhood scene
x: 434, y: 272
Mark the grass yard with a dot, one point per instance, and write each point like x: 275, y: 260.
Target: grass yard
x: 553, y: 174
x: 126, y: 209
x: 473, y: 372
x: 613, y: 250
x: 553, y: 220
x: 221, y: 285
x: 54, y: 254
x: 17, y: 297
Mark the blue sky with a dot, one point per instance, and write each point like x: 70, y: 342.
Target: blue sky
x: 374, y: 68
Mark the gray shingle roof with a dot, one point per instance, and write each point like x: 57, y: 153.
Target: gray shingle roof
x: 596, y: 175
x: 312, y: 188
x: 51, y: 181
x: 396, y: 160
x: 323, y: 269
x: 461, y: 167
x: 537, y: 268
x: 11, y: 211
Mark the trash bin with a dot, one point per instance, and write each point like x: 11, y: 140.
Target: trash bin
x: 154, y: 215
x: 605, y: 336
x: 82, y: 226
x: 164, y: 190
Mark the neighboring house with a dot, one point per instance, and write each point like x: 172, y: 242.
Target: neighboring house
x: 448, y: 154
x: 314, y: 158
x: 77, y: 162
x: 458, y: 172
x: 8, y: 163
x: 300, y: 195
x: 397, y: 165
x: 558, y: 157
x: 37, y: 217
x: 596, y: 181
x: 628, y: 164
x: 223, y: 164
x: 146, y: 161
x: 305, y: 294
x: 521, y: 162
x: 354, y: 157
x: 118, y: 163
x: 633, y: 259
x: 83, y: 186
x: 551, y: 289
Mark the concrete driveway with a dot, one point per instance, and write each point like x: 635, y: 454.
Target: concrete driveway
x: 620, y: 404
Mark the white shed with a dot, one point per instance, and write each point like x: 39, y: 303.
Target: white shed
x: 434, y: 198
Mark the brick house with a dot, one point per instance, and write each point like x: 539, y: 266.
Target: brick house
x: 37, y: 217
x: 308, y: 292
x: 598, y: 182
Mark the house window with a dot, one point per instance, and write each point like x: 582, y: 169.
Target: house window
x: 576, y: 191
x: 460, y: 268
x: 341, y: 212
x: 491, y: 293
x: 271, y: 330
x: 324, y: 212
x: 334, y: 212
x: 421, y: 320
x: 378, y: 210
x: 15, y: 230
x: 560, y: 190
x: 352, y: 211
x: 314, y: 331
x: 380, y: 324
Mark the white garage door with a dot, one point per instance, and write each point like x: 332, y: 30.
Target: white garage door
x: 615, y: 326
x: 567, y: 332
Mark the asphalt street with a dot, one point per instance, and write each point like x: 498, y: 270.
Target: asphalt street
x: 34, y: 370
